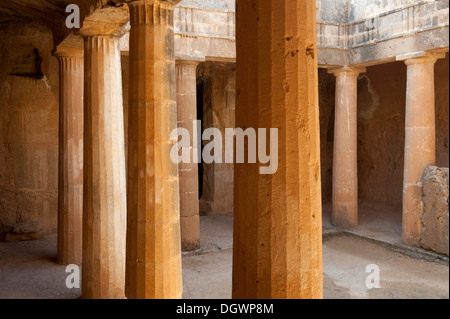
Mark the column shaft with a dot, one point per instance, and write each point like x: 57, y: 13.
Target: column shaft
x: 420, y: 142
x: 187, y: 113
x: 70, y: 175
x: 345, y: 155
x: 277, y: 223
x: 153, y: 237
x: 104, y: 209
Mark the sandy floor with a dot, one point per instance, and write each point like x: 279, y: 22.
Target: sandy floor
x: 28, y: 269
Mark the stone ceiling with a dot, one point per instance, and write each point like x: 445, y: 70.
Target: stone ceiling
x: 48, y: 12
x: 51, y: 13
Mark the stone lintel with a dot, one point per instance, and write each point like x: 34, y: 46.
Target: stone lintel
x: 183, y: 58
x: 220, y: 59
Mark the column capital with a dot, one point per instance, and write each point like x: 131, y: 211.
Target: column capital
x: 115, y: 28
x: 70, y: 47
x: 149, y: 12
x: 421, y: 57
x: 69, y: 53
x: 347, y: 70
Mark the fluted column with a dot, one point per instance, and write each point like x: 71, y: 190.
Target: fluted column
x: 277, y: 220
x: 153, y: 236
x: 186, y: 71
x: 420, y: 139
x: 345, y: 153
x: 104, y: 209
x: 70, y: 175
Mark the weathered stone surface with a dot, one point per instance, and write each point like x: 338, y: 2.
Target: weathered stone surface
x: 104, y: 185
x: 277, y: 241
x: 372, y: 32
x: 28, y: 129
x: 435, y: 220
x: 27, y: 227
x: 29, y: 111
x: 153, y: 267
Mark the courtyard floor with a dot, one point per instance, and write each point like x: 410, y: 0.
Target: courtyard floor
x: 29, y: 269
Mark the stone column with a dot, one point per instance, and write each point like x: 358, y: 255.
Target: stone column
x: 420, y: 138
x: 345, y: 155
x: 153, y: 236
x: 186, y: 71
x: 104, y: 204
x: 70, y: 175
x: 278, y: 226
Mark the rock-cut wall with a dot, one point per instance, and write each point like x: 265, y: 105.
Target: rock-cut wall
x: 28, y: 126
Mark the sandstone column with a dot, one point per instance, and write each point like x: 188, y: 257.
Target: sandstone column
x: 420, y: 139
x: 278, y: 226
x: 153, y: 236
x: 70, y: 175
x: 104, y: 204
x: 345, y: 155
x: 186, y: 72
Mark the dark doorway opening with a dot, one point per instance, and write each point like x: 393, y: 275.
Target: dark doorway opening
x: 200, y: 88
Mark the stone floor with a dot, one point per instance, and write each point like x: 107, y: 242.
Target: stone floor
x: 28, y: 269
x: 376, y: 220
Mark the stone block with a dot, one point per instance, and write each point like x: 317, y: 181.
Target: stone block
x: 435, y: 232
x: 442, y: 5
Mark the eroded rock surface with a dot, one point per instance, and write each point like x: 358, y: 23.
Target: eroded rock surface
x: 435, y: 233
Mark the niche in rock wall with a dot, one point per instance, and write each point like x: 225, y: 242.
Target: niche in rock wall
x: 26, y: 62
